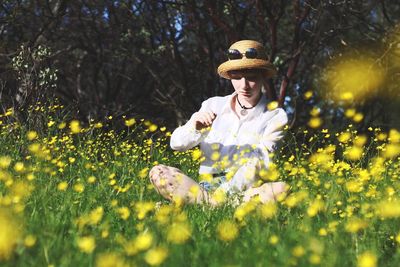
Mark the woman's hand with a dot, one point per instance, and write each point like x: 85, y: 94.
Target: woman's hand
x: 203, y: 119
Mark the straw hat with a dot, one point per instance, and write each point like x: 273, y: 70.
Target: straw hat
x: 260, y: 60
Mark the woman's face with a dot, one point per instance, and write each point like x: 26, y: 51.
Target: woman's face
x: 247, y: 84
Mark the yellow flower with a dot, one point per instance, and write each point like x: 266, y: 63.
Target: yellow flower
x: 156, y: 256
x: 315, y: 207
x: 179, y: 233
x: 388, y: 209
x: 360, y: 140
x: 355, y: 224
x: 349, y: 113
x: 315, y: 111
x: 124, y: 212
x: 391, y: 151
x: 96, y: 215
x: 298, y: 251
x: 62, y: 186
x: 153, y: 128
x: 62, y: 125
x: 367, y: 259
x: 79, y: 187
x: 215, y: 156
x: 5, y: 162
x: 307, y: 95
x: 394, y: 136
x: 344, y: 137
x: 354, y: 186
x: 86, y: 244
x: 19, y: 167
x: 196, y: 154
x: 358, y: 117
x: 31, y: 135
x: 274, y: 239
x: 98, y: 125
x: 353, y: 153
x: 268, y: 210
x: 30, y: 241
x: 110, y: 260
x: 9, y: 235
x: 91, y: 179
x: 315, y: 122
x: 75, y: 127
x: 143, y: 241
x: 227, y: 230
x: 130, y: 122
x: 315, y: 259
x: 322, y: 232
x: 143, y: 172
x: 272, y: 105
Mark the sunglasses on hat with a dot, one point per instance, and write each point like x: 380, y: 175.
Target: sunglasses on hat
x: 236, y: 54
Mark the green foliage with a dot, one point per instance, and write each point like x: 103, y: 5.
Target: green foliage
x: 79, y: 195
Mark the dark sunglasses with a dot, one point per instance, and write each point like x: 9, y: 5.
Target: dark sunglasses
x: 236, y: 54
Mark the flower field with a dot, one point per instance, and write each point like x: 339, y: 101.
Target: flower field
x: 74, y: 194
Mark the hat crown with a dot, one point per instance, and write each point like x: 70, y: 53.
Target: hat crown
x: 261, y: 62
x: 243, y: 45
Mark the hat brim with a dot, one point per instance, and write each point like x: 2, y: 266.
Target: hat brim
x: 245, y: 64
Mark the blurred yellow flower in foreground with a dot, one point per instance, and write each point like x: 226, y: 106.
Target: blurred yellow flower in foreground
x: 9, y: 234
x: 156, y: 256
x: 353, y: 78
x: 110, y: 260
x: 86, y: 244
x: 367, y: 259
x: 179, y: 233
x: 144, y: 241
x: 227, y: 230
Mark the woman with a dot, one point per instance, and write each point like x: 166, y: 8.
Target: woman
x: 235, y: 134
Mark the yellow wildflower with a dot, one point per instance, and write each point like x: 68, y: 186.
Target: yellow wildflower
x: 143, y: 241
x: 298, y: 251
x: 315, y: 122
x: 268, y: 210
x: 30, y: 241
x: 227, y: 230
x: 79, y: 187
x: 5, y: 162
x: 156, y: 256
x: 86, y: 244
x: 62, y: 186
x: 31, y: 135
x: 179, y: 233
x: 124, y: 212
x: 9, y: 234
x: 130, y: 122
x: 110, y: 260
x: 272, y: 105
x: 274, y: 239
x: 367, y: 259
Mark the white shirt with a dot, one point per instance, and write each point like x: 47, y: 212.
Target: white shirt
x: 232, y: 138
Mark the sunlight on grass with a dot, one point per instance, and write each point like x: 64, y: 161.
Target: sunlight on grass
x: 77, y: 194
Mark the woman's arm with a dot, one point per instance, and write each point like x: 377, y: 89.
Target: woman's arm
x: 194, y: 131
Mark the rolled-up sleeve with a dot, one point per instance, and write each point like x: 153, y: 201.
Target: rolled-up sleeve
x: 186, y: 136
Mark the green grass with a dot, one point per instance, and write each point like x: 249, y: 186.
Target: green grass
x: 329, y: 236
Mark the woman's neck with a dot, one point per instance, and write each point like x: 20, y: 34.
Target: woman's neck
x: 249, y: 103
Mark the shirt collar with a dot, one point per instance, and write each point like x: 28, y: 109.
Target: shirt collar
x: 258, y: 109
